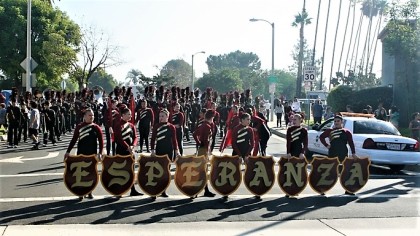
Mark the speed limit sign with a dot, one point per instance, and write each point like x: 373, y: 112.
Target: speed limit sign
x: 309, y: 73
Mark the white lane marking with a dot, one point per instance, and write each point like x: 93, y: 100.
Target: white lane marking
x: 239, y: 196
x: 20, y: 159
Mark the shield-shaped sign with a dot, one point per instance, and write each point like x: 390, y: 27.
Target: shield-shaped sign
x: 355, y: 173
x: 324, y: 173
x: 292, y: 177
x: 117, y: 174
x: 191, y: 174
x: 259, y: 174
x: 81, y: 174
x: 225, y: 174
x: 154, y: 174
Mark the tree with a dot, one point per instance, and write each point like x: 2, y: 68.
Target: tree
x: 301, y: 20
x: 180, y: 70
x: 235, y: 59
x: 103, y: 79
x: 54, y: 40
x: 222, y: 80
x: 95, y: 51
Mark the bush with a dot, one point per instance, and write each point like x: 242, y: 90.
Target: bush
x: 339, y: 97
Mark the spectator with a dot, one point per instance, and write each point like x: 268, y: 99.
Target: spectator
x: 296, y: 106
x: 267, y: 106
x: 380, y: 113
x: 279, y: 109
x: 414, y: 126
x: 317, y: 111
x: 328, y: 113
x: 369, y: 109
x: 394, y: 116
x: 3, y: 115
x: 349, y: 108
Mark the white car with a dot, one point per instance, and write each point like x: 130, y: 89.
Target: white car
x: 379, y: 140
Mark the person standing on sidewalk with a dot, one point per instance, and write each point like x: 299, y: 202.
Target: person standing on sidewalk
x: 279, y: 109
x: 317, y: 111
x: 13, y: 116
x: 297, y: 138
x: 88, y: 135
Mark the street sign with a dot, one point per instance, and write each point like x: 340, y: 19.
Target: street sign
x: 63, y: 84
x: 33, y: 80
x: 272, y: 88
x: 309, y: 73
x: 33, y: 64
x: 272, y: 79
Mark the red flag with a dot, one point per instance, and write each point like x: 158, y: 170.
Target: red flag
x: 133, y: 110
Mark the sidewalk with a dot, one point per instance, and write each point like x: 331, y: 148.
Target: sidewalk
x: 365, y: 226
x: 279, y: 131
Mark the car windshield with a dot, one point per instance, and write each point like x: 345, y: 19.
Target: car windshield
x: 374, y: 127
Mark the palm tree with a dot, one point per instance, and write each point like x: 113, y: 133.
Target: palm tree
x: 325, y: 40
x: 335, y: 40
x: 356, y: 43
x: 316, y: 33
x: 351, y: 37
x: 301, y: 19
x: 345, y: 34
x: 369, y: 10
x: 381, y: 6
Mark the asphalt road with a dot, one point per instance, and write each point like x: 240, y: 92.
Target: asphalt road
x: 32, y: 192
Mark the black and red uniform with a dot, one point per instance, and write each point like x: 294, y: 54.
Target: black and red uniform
x: 164, y: 137
x: 125, y: 137
x: 177, y: 118
x: 146, y: 118
x: 216, y: 123
x: 297, y: 140
x: 242, y: 141
x: 339, y: 137
x: 88, y: 137
x: 261, y: 135
x: 203, y: 137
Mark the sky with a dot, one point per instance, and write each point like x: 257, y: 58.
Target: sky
x: 152, y: 32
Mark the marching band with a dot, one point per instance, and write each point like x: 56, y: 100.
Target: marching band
x: 170, y: 115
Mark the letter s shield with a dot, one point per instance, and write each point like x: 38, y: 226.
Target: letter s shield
x: 117, y: 174
x: 81, y: 174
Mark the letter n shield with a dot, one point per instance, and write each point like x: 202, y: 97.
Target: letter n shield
x: 154, y: 175
x: 259, y: 174
x: 355, y: 173
x: 117, y: 174
x: 292, y: 177
x: 191, y: 174
x: 225, y: 174
x: 324, y: 173
x: 81, y: 174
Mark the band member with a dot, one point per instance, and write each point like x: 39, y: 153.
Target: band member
x: 216, y: 122
x: 13, y: 115
x: 203, y: 137
x: 177, y: 119
x: 200, y: 118
x: 243, y: 137
x: 125, y: 138
x: 88, y: 135
x: 261, y: 133
x: 23, y: 127
x: 34, y: 124
x: 338, y: 137
x: 164, y: 136
x: 145, y: 117
x: 49, y: 116
x: 297, y: 138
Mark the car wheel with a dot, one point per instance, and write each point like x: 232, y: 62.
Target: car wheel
x: 396, y: 168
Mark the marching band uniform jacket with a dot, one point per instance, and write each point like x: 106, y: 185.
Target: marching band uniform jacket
x: 87, y: 136
x: 242, y: 140
x: 338, y: 137
x: 297, y: 140
x: 164, y: 139
x: 125, y: 137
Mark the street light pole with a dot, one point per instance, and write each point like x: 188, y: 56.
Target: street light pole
x: 28, y: 48
x: 192, y: 68
x: 272, y: 83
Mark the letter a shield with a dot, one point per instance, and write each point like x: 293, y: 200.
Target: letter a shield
x: 355, y: 173
x: 324, y: 173
x: 154, y: 174
x: 117, y: 174
x: 292, y: 177
x: 81, y: 174
x: 191, y: 174
x: 225, y: 174
x: 259, y: 174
